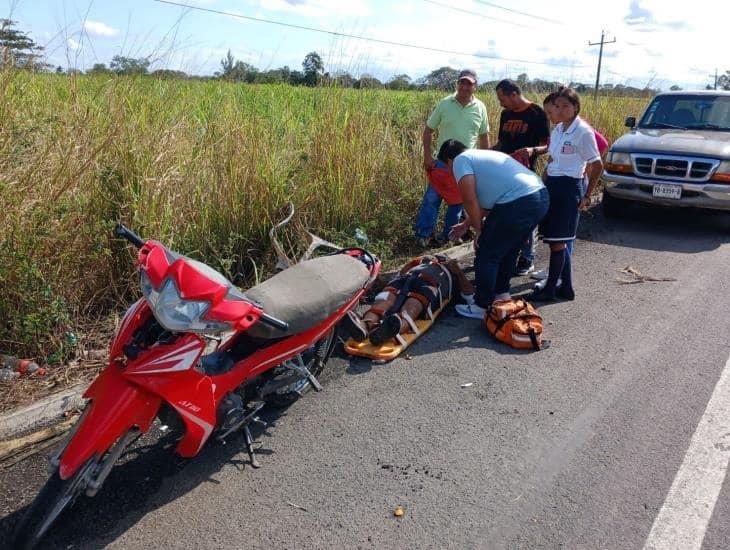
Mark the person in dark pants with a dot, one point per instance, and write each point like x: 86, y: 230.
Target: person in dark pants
x: 514, y: 200
x: 523, y: 128
x: 573, y: 154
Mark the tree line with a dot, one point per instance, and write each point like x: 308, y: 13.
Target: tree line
x: 314, y: 74
x: 19, y: 50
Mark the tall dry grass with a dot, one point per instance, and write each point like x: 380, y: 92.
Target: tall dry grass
x: 201, y: 166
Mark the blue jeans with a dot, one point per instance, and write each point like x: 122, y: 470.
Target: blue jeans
x: 527, y: 250
x: 429, y: 213
x: 503, y: 233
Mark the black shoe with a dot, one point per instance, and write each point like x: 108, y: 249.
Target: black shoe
x: 354, y: 326
x: 565, y: 294
x: 540, y: 296
x: 387, y: 329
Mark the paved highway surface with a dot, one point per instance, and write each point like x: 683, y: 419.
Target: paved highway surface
x: 617, y: 436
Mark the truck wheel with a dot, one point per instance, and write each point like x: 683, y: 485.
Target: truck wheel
x: 613, y: 207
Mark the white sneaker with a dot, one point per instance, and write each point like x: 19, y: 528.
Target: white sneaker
x: 471, y: 310
x: 539, y: 275
x: 541, y: 284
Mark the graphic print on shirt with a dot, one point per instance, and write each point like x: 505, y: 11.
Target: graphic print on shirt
x: 515, y: 126
x: 567, y: 148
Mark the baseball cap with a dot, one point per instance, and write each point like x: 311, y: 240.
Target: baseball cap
x: 469, y: 75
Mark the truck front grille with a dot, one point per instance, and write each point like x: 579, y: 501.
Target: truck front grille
x: 674, y: 168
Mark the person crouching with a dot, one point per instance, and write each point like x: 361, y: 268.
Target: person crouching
x: 513, y: 199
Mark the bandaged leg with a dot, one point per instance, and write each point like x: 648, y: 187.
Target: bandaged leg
x: 383, y: 302
x: 359, y: 328
x: 397, y: 331
x: 398, y: 323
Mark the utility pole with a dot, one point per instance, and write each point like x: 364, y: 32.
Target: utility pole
x: 600, y: 56
x: 715, y: 79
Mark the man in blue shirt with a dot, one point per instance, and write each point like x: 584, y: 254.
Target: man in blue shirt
x: 515, y: 200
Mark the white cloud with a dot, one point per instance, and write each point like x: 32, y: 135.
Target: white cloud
x: 97, y: 28
x: 73, y: 44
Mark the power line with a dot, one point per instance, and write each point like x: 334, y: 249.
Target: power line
x: 477, y: 14
x: 541, y: 18
x: 365, y: 38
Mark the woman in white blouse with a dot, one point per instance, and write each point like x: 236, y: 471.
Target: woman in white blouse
x: 573, y: 153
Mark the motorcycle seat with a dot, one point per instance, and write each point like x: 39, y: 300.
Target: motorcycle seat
x: 307, y: 293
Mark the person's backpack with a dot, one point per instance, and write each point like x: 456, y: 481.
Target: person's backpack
x: 516, y: 323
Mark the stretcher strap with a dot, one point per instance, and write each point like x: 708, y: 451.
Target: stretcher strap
x: 407, y: 319
x: 425, y: 302
x: 451, y: 283
x: 430, y: 280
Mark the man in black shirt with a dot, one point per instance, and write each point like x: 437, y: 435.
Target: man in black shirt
x: 523, y: 126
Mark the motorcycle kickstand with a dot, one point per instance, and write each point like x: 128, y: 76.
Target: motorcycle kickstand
x: 249, y: 447
x: 248, y: 441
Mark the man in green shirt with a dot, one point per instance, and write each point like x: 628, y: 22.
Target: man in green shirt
x: 462, y: 117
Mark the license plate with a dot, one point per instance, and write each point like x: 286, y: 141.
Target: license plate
x: 667, y: 191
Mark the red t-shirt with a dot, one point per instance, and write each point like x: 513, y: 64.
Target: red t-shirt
x: 443, y: 182
x: 601, y: 141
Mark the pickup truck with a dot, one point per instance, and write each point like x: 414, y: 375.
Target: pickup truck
x: 677, y: 155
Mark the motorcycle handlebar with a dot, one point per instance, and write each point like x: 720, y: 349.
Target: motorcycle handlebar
x: 274, y: 322
x: 128, y: 234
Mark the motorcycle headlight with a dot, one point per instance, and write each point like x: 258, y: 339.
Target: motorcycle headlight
x: 148, y: 289
x: 175, y: 313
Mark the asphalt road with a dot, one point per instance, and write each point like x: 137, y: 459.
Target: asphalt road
x: 576, y: 446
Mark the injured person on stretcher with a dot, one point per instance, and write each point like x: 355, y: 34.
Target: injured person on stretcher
x: 421, y: 288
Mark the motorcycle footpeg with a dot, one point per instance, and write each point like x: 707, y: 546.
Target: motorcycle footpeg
x: 242, y: 418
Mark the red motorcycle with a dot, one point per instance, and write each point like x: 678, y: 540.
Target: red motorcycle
x: 199, y: 354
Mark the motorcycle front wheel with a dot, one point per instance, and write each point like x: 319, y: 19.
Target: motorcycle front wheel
x: 314, y: 359
x: 55, y: 496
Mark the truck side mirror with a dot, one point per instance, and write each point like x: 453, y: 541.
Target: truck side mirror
x: 630, y: 122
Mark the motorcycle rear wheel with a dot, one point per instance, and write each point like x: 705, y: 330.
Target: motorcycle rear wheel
x: 55, y: 496
x: 315, y: 358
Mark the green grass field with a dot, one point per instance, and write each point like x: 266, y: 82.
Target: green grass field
x: 204, y: 167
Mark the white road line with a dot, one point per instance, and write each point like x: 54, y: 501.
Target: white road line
x: 682, y: 521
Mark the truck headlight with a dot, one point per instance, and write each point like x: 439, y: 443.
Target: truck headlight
x: 618, y: 161
x: 722, y: 174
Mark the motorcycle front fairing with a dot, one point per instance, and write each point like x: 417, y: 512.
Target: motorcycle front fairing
x: 128, y: 393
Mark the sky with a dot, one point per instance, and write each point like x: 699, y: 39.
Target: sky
x: 659, y: 43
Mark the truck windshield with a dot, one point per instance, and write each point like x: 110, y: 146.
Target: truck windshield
x: 691, y: 112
